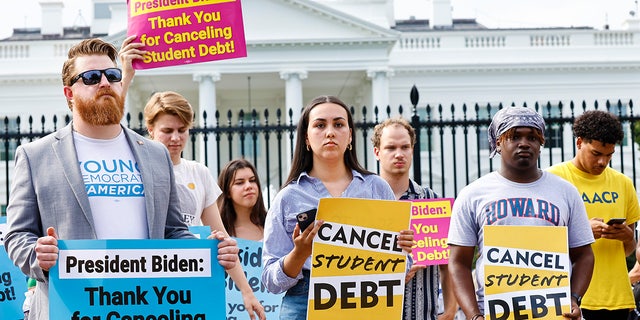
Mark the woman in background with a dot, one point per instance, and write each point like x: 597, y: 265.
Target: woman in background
x: 241, y: 206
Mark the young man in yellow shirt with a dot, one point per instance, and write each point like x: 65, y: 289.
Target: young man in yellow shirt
x: 607, y: 194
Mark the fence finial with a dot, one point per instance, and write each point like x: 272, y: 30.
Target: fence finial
x: 414, y: 96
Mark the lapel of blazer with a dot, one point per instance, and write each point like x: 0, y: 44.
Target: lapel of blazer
x: 141, y: 154
x: 65, y: 151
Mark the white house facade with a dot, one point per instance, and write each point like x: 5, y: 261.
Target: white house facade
x: 298, y: 49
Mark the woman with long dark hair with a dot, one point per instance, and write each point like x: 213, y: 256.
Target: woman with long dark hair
x: 324, y: 165
x: 241, y: 205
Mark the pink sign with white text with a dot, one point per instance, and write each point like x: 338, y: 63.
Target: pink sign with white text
x: 430, y: 224
x: 177, y: 32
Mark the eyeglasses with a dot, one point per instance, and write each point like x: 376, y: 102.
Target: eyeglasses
x: 91, y: 77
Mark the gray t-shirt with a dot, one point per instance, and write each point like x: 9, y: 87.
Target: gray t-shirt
x: 494, y: 200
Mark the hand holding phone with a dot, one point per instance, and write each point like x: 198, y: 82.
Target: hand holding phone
x: 613, y: 221
x: 306, y: 218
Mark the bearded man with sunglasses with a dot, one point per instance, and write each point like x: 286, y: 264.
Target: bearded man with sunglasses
x: 93, y: 179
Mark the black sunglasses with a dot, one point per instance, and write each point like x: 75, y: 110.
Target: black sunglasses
x: 91, y: 77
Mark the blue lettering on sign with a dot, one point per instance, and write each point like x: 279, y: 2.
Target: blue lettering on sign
x: 604, y: 197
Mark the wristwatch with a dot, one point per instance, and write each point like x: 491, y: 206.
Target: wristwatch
x: 577, y: 297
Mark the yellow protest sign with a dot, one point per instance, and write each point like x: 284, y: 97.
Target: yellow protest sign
x: 526, y: 272
x: 358, y: 268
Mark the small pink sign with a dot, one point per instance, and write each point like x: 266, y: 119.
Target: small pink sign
x: 177, y: 32
x: 430, y: 223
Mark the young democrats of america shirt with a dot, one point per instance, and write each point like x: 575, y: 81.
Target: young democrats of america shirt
x: 114, y: 185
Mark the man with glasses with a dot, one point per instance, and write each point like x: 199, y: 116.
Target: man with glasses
x: 93, y: 179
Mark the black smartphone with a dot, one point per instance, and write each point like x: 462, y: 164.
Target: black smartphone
x: 613, y: 221
x: 306, y: 218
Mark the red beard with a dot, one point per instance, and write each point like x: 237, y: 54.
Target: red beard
x: 106, y: 108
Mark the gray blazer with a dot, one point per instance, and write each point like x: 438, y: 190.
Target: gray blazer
x: 48, y: 191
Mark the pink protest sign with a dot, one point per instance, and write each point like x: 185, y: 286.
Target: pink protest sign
x: 177, y: 32
x: 430, y: 223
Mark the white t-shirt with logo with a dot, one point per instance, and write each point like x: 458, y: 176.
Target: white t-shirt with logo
x: 114, y: 185
x: 197, y: 190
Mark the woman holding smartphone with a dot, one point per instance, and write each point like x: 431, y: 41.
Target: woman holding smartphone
x: 324, y: 165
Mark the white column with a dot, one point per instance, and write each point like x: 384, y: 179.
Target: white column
x: 293, y: 92
x: 207, y: 98
x: 127, y: 108
x: 133, y: 104
x: 379, y: 90
x: 293, y: 99
x: 380, y: 98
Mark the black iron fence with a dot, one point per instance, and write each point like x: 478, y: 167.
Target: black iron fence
x: 452, y: 149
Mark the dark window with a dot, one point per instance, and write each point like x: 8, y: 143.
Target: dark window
x: 485, y: 114
x: 553, y: 135
x: 101, y: 11
x: 425, y: 144
x: 9, y: 153
x: 621, y: 111
x: 248, y: 137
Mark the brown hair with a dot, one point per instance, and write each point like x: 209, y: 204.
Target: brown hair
x: 377, y: 130
x: 168, y: 102
x: 227, y: 211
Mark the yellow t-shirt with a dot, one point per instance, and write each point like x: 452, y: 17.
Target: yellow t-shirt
x: 608, y: 195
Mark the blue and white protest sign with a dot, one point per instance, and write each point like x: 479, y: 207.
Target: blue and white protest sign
x: 13, y: 283
x: 250, y: 257
x: 202, y: 232
x: 137, y: 279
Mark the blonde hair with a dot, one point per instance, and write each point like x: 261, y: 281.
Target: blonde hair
x: 168, y: 102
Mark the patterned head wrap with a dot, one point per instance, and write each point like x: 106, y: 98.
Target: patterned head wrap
x: 510, y: 117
